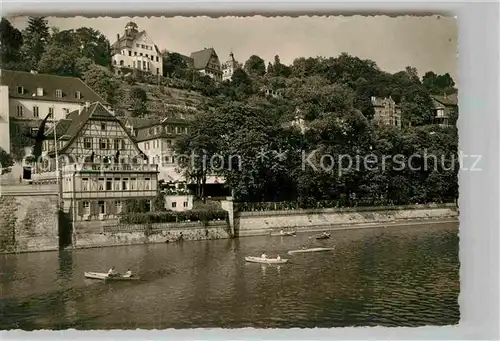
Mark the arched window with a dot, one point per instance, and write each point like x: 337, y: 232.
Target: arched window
x: 121, y: 62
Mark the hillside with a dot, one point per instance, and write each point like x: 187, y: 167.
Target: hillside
x: 161, y: 100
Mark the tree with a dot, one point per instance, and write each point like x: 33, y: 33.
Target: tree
x: 101, y: 80
x: 138, y: 98
x: 173, y: 64
x: 35, y: 38
x: 6, y: 161
x: 59, y: 60
x: 11, y: 41
x: 255, y: 66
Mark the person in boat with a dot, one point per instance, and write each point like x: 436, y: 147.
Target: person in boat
x: 325, y: 234
x: 282, y: 232
x: 112, y: 272
x: 264, y: 256
x: 128, y: 273
x: 278, y: 257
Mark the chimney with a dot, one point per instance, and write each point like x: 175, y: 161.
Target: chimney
x: 117, y: 36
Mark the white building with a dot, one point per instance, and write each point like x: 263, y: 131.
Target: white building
x: 136, y: 50
x: 229, y: 67
x: 32, y: 96
x: 4, y: 119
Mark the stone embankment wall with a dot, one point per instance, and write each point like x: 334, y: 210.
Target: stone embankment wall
x: 28, y: 223
x: 112, y: 233
x: 265, y: 222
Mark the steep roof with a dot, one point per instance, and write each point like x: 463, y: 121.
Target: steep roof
x: 201, y: 58
x: 448, y: 100
x: 127, y: 41
x: 139, y: 122
x: 78, y: 119
x: 150, y: 133
x: 49, y: 83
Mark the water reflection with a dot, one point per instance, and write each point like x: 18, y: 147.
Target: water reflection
x: 401, y: 276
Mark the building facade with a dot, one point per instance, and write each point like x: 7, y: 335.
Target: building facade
x: 229, y: 67
x: 157, y: 140
x: 386, y: 111
x: 99, y: 166
x: 4, y: 119
x: 32, y: 96
x: 445, y: 109
x: 207, y: 62
x: 136, y: 50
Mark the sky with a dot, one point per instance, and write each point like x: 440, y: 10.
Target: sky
x: 427, y: 43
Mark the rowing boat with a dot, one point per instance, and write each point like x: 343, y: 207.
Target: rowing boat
x: 265, y: 260
x: 325, y: 236
x: 284, y: 234
x: 316, y: 249
x: 104, y: 276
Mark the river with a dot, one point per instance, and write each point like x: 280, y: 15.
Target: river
x: 400, y: 276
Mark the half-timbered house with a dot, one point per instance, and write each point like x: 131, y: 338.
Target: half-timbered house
x: 99, y: 164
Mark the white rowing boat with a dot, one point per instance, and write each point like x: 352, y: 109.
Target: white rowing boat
x: 105, y: 277
x: 284, y: 234
x: 265, y: 260
x: 316, y: 249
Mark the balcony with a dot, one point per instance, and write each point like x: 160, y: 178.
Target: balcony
x: 110, y: 167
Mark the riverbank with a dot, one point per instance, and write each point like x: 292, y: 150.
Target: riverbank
x: 96, y: 234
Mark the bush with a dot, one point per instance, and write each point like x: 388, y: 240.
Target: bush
x: 172, y: 217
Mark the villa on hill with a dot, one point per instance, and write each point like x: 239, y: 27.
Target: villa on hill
x: 136, y: 50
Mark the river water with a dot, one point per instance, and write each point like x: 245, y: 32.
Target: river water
x: 400, y: 276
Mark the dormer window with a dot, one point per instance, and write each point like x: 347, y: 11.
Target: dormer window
x: 39, y: 91
x: 78, y: 95
x: 20, y: 90
x: 59, y: 93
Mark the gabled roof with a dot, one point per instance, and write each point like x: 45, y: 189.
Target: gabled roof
x: 49, y: 83
x: 80, y: 118
x: 202, y: 57
x: 139, y: 122
x: 127, y: 41
x: 448, y: 100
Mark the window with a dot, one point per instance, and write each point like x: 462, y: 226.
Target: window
x: 129, y: 53
x: 19, y: 111
x: 117, y: 144
x: 146, y: 146
x: 136, y: 45
x: 109, y: 184
x: 20, y: 90
x: 51, y: 112
x: 118, y: 206
x: 147, y: 56
x: 144, y: 64
x: 59, y: 93
x: 102, y: 207
x: 185, y: 204
x: 125, y: 184
x: 135, y: 53
x: 78, y: 95
x: 185, y: 130
x: 123, y: 144
x: 66, y: 110
x: 39, y: 91
x: 157, y: 71
x: 147, y: 183
x: 85, y: 184
x: 101, y: 184
x: 133, y: 183
x: 157, y: 58
x: 174, y: 204
x: 103, y: 126
x: 103, y: 143
x: 117, y: 184
x: 86, y: 207
x: 169, y: 143
x: 133, y: 64
x: 87, y: 143
x: 35, y: 111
